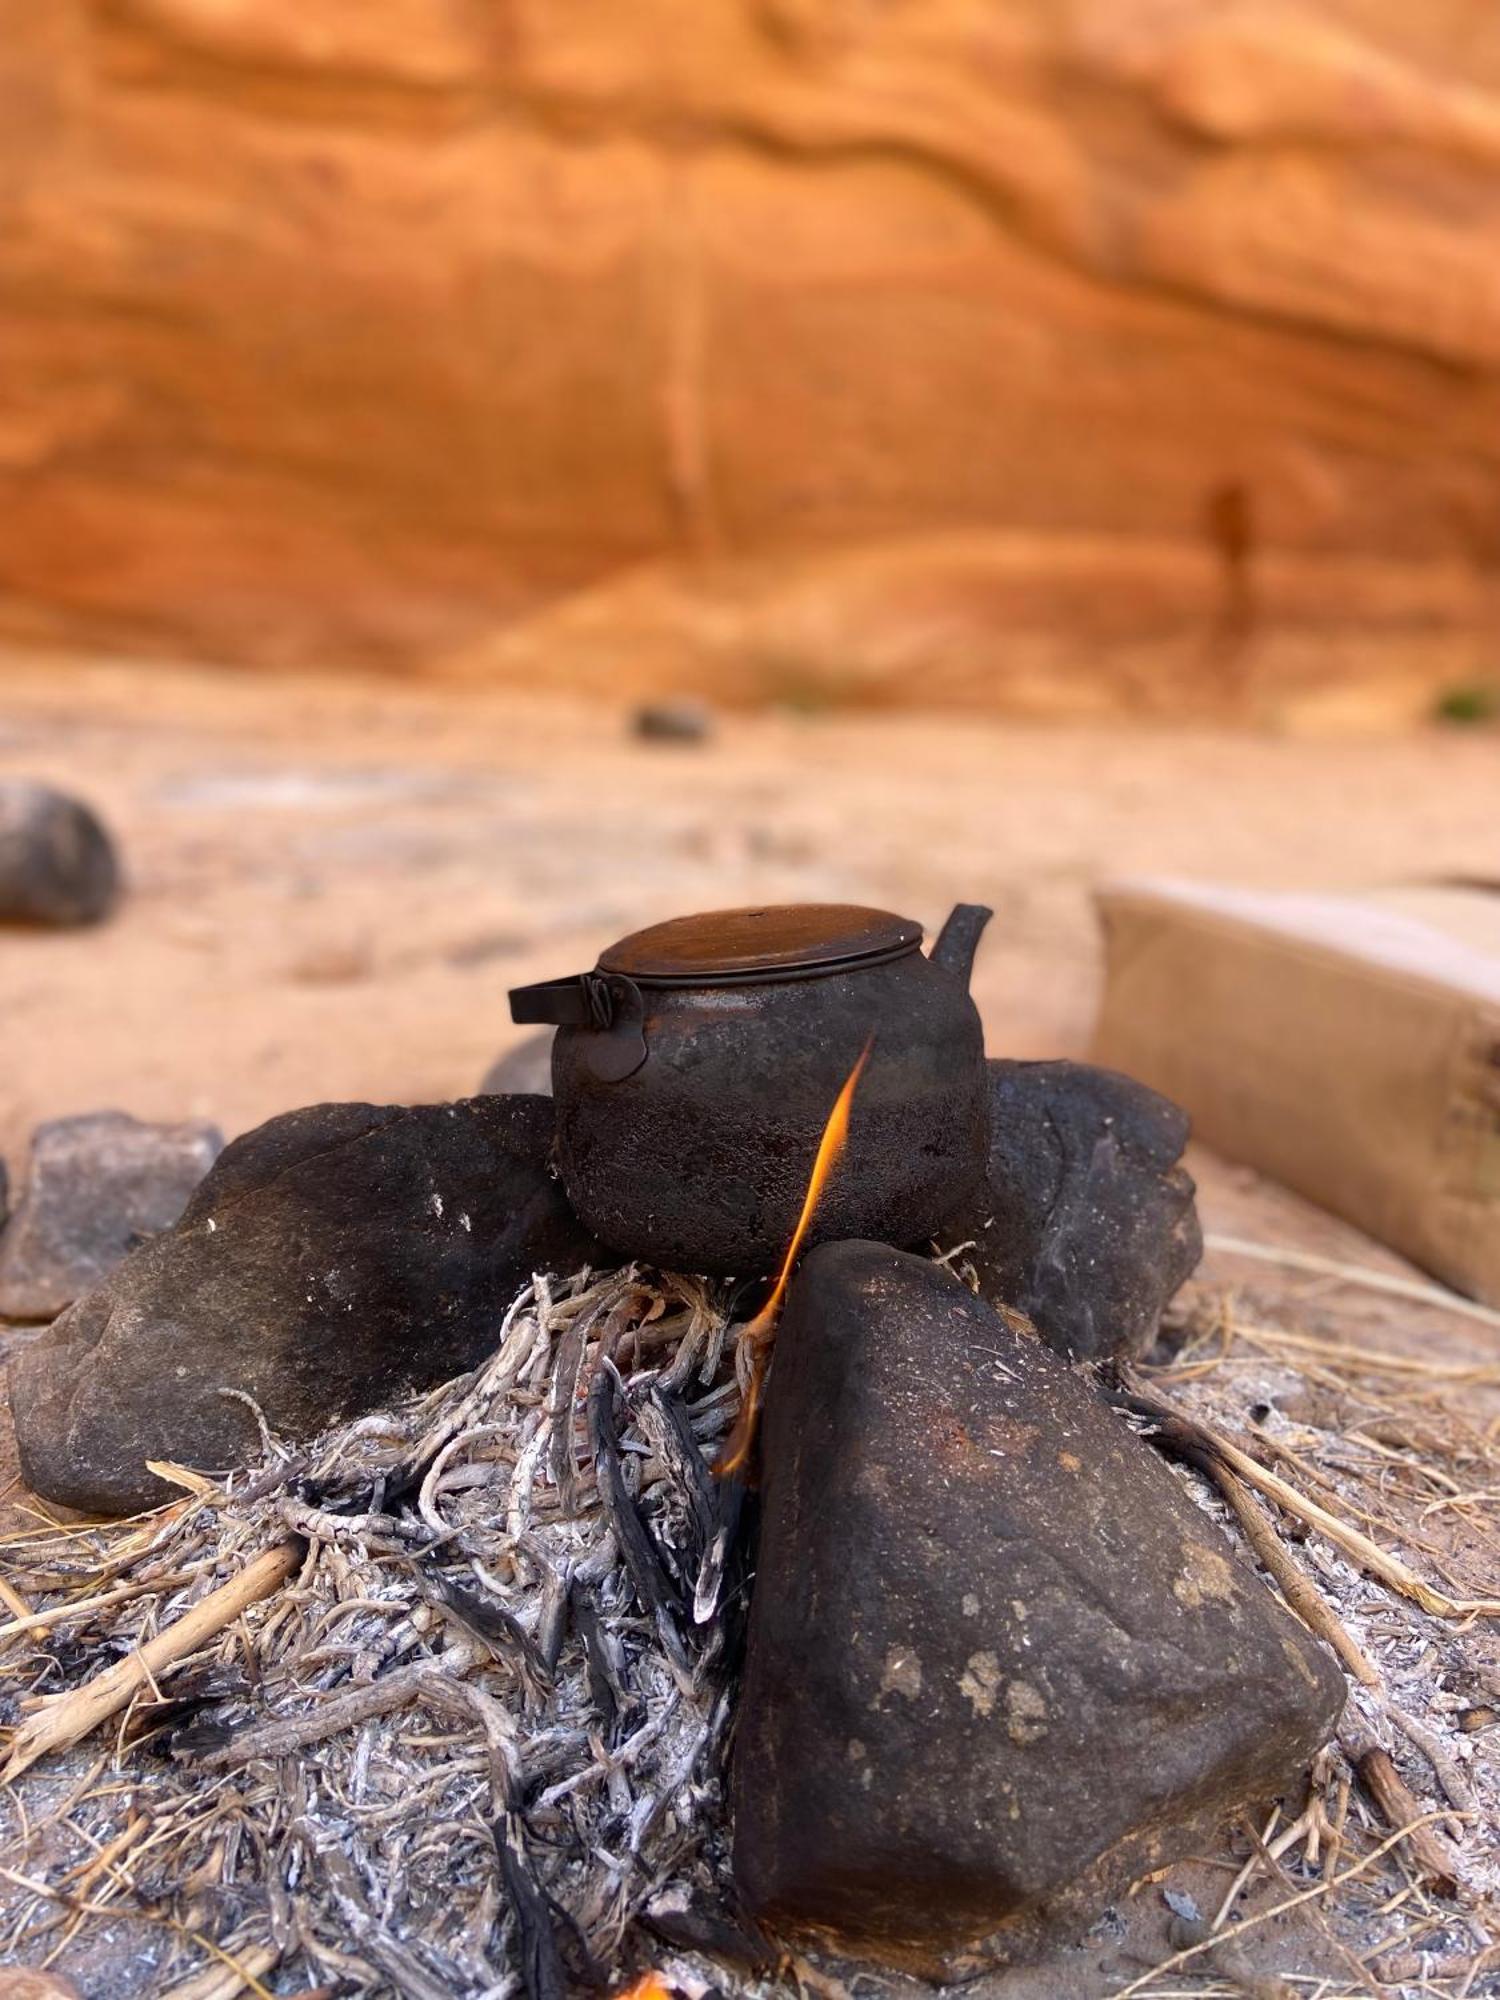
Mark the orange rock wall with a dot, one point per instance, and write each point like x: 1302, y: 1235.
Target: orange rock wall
x: 1051, y: 354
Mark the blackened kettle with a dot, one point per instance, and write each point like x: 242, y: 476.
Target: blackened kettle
x: 695, y: 1067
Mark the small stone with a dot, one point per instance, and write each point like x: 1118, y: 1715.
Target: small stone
x: 1086, y: 1222
x: 96, y: 1188
x: 57, y: 864
x: 1052, y: 1671
x: 680, y: 721
x: 524, y: 1070
x: 332, y: 1260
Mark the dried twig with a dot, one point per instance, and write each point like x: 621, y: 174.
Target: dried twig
x: 1180, y: 1432
x: 1220, y: 1938
x: 67, y: 1718
x: 222, y: 1982
x: 1354, y: 1274
x: 1295, y: 1585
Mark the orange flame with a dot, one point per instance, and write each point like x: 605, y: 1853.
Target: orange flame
x: 650, y: 1986
x: 761, y: 1330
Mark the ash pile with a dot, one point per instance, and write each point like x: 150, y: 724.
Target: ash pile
x: 559, y: 1631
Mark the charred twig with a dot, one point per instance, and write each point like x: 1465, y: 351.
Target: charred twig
x: 739, y: 1943
x: 603, y: 1688
x: 398, y: 1689
x: 668, y: 1430
x: 541, y: 1961
x: 497, y: 1629
x: 709, y: 1589
x: 566, y: 1368
x: 1400, y: 1808
x: 653, y: 1587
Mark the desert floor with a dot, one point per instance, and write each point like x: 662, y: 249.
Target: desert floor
x: 333, y: 883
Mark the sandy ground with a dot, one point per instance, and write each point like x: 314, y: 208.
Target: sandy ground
x: 333, y: 884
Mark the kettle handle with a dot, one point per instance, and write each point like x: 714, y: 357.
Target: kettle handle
x: 561, y: 1003
x: 958, y: 940
x: 605, y: 1001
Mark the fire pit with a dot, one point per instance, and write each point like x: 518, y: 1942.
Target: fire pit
x: 864, y: 1627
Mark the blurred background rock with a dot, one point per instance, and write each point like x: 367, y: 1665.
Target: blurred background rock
x: 1123, y: 355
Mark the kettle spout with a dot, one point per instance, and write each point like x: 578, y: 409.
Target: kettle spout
x: 958, y: 940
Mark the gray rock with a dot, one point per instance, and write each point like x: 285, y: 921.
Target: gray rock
x: 1087, y: 1222
x: 57, y: 863
x: 994, y: 1649
x: 96, y: 1188
x: 525, y: 1070
x: 333, y: 1259
x: 681, y: 720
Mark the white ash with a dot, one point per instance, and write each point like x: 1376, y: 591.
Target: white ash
x: 372, y: 1854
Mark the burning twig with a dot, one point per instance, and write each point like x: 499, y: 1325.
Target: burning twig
x: 758, y: 1336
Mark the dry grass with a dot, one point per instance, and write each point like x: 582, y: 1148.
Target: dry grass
x: 1400, y: 1452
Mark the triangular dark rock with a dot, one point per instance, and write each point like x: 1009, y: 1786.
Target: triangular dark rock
x: 992, y: 1638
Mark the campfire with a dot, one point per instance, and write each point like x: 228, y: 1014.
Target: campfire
x: 696, y: 1640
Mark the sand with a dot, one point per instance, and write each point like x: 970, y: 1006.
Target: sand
x: 333, y: 883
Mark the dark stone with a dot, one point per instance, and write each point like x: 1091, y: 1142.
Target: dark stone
x: 525, y: 1070
x: 57, y: 863
x: 680, y: 721
x: 96, y: 1188
x: 994, y: 1647
x: 1086, y: 1223
x: 332, y: 1260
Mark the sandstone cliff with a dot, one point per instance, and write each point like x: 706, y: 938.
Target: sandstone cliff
x: 1055, y: 354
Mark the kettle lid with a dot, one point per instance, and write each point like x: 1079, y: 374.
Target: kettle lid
x: 775, y: 941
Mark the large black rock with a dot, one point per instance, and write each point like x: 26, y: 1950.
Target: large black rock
x: 331, y: 1260
x: 992, y: 1640
x: 57, y: 864
x: 1086, y: 1222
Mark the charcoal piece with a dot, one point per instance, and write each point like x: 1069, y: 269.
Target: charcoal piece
x: 57, y: 863
x: 332, y: 1259
x: 655, y: 1591
x: 1086, y: 1223
x: 994, y: 1646
x: 96, y: 1188
x: 541, y: 1966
